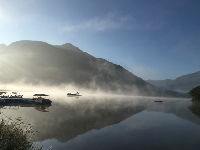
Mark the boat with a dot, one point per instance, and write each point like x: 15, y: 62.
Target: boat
x: 158, y: 101
x: 76, y: 94
x: 17, y: 98
x: 12, y: 98
x: 38, y: 99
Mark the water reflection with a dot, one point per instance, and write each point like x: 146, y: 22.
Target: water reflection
x: 69, y: 118
x: 42, y: 108
x: 15, y: 106
x: 145, y: 130
x: 195, y: 108
x: 117, y: 121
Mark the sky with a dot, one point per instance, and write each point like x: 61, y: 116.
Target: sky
x: 157, y: 39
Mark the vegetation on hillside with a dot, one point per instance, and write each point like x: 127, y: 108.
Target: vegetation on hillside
x: 195, y: 93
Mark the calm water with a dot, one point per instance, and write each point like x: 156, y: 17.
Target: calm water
x: 92, y: 122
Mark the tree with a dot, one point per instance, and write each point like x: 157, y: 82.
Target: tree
x: 195, y: 93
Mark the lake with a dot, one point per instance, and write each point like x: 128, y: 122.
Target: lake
x: 112, y: 122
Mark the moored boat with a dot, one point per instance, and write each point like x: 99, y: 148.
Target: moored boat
x: 17, y: 98
x: 38, y: 99
x: 12, y: 98
x: 76, y: 94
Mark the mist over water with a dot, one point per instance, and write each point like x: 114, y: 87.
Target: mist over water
x: 63, y: 88
x: 96, y: 121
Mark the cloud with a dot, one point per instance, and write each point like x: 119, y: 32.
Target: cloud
x: 109, y: 22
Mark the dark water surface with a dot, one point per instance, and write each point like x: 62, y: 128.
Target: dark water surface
x: 92, y: 122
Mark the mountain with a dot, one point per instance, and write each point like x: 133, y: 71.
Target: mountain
x: 181, y: 84
x: 2, y: 46
x: 39, y: 63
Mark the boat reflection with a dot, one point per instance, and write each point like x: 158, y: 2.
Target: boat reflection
x: 41, y: 108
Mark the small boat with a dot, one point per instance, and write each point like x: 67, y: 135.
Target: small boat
x: 37, y: 99
x: 76, y: 94
x: 158, y: 101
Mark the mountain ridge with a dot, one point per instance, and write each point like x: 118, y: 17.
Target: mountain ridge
x: 183, y: 83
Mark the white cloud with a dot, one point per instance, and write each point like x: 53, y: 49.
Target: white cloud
x: 110, y: 22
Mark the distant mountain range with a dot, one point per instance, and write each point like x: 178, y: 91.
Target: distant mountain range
x: 181, y: 84
x: 36, y: 63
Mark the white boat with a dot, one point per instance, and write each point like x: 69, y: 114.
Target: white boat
x: 76, y: 94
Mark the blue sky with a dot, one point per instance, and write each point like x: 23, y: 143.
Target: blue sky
x: 153, y: 39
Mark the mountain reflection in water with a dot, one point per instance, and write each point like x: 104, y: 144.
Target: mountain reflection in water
x: 72, y: 119
x: 113, y: 123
